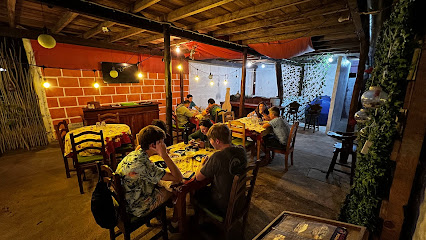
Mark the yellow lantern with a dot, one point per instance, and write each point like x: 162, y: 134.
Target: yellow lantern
x: 46, y: 41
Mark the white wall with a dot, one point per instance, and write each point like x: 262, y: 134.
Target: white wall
x: 266, y: 81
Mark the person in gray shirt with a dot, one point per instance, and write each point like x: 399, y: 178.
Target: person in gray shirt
x: 280, y: 131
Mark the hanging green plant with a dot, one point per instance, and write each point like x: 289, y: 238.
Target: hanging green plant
x: 373, y: 170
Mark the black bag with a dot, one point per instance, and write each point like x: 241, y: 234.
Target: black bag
x: 102, y: 206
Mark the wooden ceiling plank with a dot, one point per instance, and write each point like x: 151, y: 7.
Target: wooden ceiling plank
x: 140, y: 5
x: 11, y: 12
x: 194, y: 8
x: 64, y: 21
x: 148, y: 39
x: 92, y: 32
x: 308, y: 33
x: 281, y: 19
x: 247, y: 12
x: 125, y: 34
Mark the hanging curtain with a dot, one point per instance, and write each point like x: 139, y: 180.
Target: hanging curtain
x: 203, y: 51
x: 284, y: 49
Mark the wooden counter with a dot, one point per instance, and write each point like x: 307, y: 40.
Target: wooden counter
x: 136, y: 117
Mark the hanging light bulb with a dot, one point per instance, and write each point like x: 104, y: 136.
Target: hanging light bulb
x: 225, y: 82
x: 45, y: 40
x: 263, y: 65
x: 211, y: 83
x: 177, y: 49
x: 249, y: 64
x: 46, y: 84
x: 179, y: 66
x: 374, y: 97
x: 140, y: 75
x: 96, y: 85
x: 197, y: 78
x: 330, y: 59
x: 113, y: 73
x: 210, y: 76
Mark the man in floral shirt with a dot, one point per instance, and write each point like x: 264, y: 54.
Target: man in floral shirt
x: 140, y: 177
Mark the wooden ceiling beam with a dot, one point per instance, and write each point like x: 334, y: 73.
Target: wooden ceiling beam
x: 140, y: 5
x: 125, y: 34
x: 92, y: 32
x: 287, y: 29
x: 333, y: 37
x: 11, y: 12
x: 356, y: 18
x: 194, y: 8
x: 148, y: 39
x: 247, y: 12
x: 308, y: 33
x: 64, y: 21
x: 294, y: 16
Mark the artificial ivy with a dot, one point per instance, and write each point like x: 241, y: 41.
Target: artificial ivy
x: 373, y: 170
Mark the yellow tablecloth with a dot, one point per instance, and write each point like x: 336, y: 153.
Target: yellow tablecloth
x: 252, y: 126
x: 109, y: 131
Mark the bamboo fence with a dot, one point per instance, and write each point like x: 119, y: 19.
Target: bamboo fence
x: 21, y: 124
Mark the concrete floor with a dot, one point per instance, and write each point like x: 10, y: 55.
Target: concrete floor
x: 38, y: 201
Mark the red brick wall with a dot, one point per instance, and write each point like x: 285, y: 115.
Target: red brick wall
x: 70, y: 91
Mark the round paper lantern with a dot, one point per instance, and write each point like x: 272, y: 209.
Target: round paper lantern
x: 374, y: 97
x: 362, y: 116
x: 46, y: 41
x: 113, y: 73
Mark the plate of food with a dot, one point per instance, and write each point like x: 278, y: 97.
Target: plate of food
x: 180, y: 152
x: 174, y: 155
x: 193, y: 148
x: 199, y: 157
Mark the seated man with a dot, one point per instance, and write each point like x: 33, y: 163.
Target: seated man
x: 212, y: 110
x: 192, y: 104
x: 139, y: 176
x: 183, y: 114
x: 201, y: 134
x: 222, y: 166
x: 280, y: 131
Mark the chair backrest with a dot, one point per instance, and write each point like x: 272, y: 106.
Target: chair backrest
x: 294, y: 106
x: 90, y: 136
x: 292, y: 136
x: 137, y: 139
x: 241, y: 189
x: 61, y: 130
x: 113, y: 181
x: 228, y: 116
x: 109, y: 118
x: 238, y: 130
x: 315, y: 109
x: 218, y: 114
x: 175, y: 119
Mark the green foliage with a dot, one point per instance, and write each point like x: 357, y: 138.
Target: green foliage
x: 373, y: 170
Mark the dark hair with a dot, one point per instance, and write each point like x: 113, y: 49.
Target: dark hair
x: 188, y: 96
x: 274, y: 110
x: 150, y: 134
x: 221, y: 132
x: 186, y: 102
x: 265, y: 111
x: 211, y: 101
x: 206, y: 123
x: 159, y: 123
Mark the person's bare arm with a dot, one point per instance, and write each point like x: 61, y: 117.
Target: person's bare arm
x: 266, y: 117
x: 175, y: 174
x: 198, y: 175
x: 266, y: 125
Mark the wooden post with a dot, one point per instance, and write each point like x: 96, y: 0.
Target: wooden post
x: 243, y: 84
x: 279, y: 74
x: 181, y: 80
x: 358, y: 85
x: 254, y: 81
x: 168, y: 78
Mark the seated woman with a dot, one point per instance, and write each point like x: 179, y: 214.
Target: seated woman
x: 261, y: 112
x: 212, y: 110
x: 140, y: 177
x: 200, y: 136
x: 161, y: 124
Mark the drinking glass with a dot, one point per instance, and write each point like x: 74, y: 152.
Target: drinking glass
x: 103, y: 123
x: 98, y: 124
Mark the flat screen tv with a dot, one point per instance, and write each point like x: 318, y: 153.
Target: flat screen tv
x: 127, y: 73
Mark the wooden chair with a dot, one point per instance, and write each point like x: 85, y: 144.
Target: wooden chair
x: 61, y: 130
x: 128, y: 223
x: 176, y: 128
x: 312, y: 117
x: 228, y: 116
x: 293, y: 109
x: 239, y: 201
x: 109, y: 118
x: 81, y: 162
x: 289, y: 150
x: 218, y: 116
x: 239, y: 137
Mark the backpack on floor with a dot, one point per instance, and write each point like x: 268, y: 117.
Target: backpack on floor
x: 102, y: 206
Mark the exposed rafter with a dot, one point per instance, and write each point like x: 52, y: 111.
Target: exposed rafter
x: 140, y: 5
x: 11, y: 5
x: 194, y: 8
x: 356, y: 19
x: 294, y: 16
x: 64, y: 21
x: 247, y: 12
x: 125, y: 34
x: 92, y: 32
x: 148, y: 39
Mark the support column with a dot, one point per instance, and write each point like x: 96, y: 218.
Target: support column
x: 168, y: 78
x: 279, y: 74
x: 181, y: 80
x: 302, y: 77
x: 358, y: 85
x: 243, y: 84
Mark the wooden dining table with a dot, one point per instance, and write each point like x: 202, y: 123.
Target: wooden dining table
x: 254, y: 130
x: 186, y: 162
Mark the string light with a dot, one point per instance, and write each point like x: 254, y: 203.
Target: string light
x: 197, y: 78
x: 177, y: 49
x: 249, y: 64
x: 140, y: 75
x: 263, y: 65
x: 330, y: 59
x: 211, y: 83
x: 226, y: 81
x: 46, y: 84
x: 95, y: 84
x: 179, y: 67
